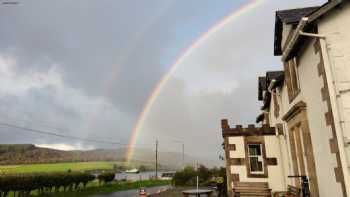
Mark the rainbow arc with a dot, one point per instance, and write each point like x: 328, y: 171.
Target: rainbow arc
x: 248, y: 7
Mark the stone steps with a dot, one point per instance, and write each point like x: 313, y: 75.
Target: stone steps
x: 249, y: 189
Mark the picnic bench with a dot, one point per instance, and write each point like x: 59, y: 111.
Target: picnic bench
x: 257, y: 189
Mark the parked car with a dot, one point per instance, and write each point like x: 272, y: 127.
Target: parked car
x: 167, y: 175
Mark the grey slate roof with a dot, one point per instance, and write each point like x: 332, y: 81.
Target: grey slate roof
x: 294, y: 15
x: 273, y: 75
x: 291, y: 16
x: 264, y: 82
x: 270, y: 75
x: 261, y: 87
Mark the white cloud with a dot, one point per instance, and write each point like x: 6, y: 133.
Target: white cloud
x: 65, y: 147
x: 12, y: 83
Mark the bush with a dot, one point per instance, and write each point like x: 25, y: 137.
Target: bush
x: 106, y: 177
x: 143, y: 168
x: 188, y: 176
x: 25, y: 183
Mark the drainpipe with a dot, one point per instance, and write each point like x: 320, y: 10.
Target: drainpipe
x: 334, y: 96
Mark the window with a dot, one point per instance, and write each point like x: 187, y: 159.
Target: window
x: 294, y: 75
x: 255, y: 158
x: 292, y: 80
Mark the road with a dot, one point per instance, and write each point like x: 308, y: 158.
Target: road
x: 131, y: 193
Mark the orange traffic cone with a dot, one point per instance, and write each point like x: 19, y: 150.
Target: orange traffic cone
x: 142, y: 192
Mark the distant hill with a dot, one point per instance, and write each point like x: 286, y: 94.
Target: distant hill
x: 11, y: 154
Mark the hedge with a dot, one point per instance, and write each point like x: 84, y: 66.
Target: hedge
x: 23, y: 184
x: 106, y: 177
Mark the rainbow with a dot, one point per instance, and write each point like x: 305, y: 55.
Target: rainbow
x: 251, y: 5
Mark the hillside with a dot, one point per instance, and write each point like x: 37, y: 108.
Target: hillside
x: 31, y: 154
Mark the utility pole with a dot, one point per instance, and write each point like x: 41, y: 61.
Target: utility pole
x: 183, y: 155
x: 156, y: 159
x: 183, y: 151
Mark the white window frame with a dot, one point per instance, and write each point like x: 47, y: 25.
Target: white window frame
x: 260, y: 159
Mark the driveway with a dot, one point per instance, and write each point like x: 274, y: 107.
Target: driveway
x: 132, y: 193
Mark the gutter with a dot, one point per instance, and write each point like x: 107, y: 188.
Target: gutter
x: 295, y: 38
x: 272, y: 83
x: 324, y: 9
x: 306, y: 20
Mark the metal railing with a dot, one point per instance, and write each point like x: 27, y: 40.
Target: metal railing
x: 305, y: 189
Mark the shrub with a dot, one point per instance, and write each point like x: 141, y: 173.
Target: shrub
x: 142, y: 168
x: 25, y: 183
x: 188, y: 176
x: 106, y: 177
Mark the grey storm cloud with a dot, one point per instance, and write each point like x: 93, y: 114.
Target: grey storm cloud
x: 86, y: 68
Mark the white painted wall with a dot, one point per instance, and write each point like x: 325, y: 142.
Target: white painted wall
x: 336, y: 28
x: 284, y: 160
x: 239, y: 152
x: 284, y: 107
x: 285, y: 32
x: 310, y: 85
x: 272, y: 150
x: 276, y: 174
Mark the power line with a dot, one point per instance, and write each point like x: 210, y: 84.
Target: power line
x: 60, y: 135
x: 28, y: 123
x: 18, y: 120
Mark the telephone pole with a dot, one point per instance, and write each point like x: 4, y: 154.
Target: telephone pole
x: 183, y: 150
x: 183, y: 155
x: 156, y: 159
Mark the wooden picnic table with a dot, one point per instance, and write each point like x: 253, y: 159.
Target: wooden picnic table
x: 197, y: 193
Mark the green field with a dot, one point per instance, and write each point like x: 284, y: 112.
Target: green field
x: 57, y: 167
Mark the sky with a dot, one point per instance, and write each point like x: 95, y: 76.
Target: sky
x: 85, y: 68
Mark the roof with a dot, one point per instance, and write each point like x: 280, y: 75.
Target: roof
x: 260, y: 118
x: 270, y: 75
x: 291, y: 16
x: 261, y: 87
x: 279, y: 81
x: 278, y: 76
x: 294, y: 15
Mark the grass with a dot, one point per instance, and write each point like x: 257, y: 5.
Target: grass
x: 56, y: 167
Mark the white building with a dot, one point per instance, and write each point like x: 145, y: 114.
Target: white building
x: 305, y: 113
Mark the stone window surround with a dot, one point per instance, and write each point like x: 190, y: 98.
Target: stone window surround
x: 300, y: 144
x: 255, y: 140
x: 292, y: 78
